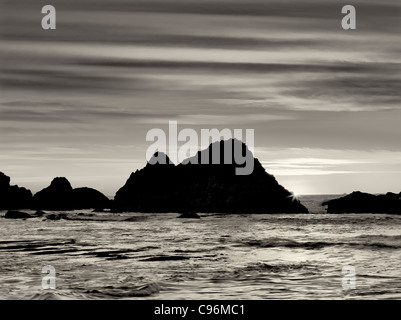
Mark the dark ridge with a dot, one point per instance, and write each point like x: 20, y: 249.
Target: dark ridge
x: 17, y: 215
x: 315, y: 245
x: 57, y: 251
x: 209, y: 188
x: 166, y: 258
x: 13, y: 197
x: 30, y: 245
x: 61, y: 196
x: 359, y: 202
x: 160, y: 158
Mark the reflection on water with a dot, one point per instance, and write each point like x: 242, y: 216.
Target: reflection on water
x: 153, y: 256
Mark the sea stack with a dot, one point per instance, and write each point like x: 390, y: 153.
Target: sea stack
x: 13, y: 197
x: 359, y: 202
x: 206, y: 188
x: 61, y: 196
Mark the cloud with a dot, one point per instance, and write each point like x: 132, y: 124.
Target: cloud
x: 114, y: 69
x: 287, y: 162
x: 246, y: 67
x: 372, y: 91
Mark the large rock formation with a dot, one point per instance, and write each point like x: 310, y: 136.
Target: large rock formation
x: 359, y: 202
x: 206, y: 187
x: 61, y: 196
x: 13, y: 197
x: 57, y: 196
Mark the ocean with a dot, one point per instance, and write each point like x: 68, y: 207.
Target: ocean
x: 157, y: 256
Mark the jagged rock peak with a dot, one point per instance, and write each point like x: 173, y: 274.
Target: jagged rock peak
x: 202, y: 187
x: 4, y: 180
x: 13, y: 197
x: 231, y: 151
x: 160, y: 158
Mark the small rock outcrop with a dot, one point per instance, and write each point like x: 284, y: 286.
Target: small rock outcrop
x: 359, y: 202
x: 207, y: 188
x: 61, y: 196
x: 17, y: 215
x: 13, y: 197
x: 189, y: 215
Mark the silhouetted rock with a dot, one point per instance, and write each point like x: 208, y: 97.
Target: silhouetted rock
x: 4, y: 181
x: 87, y: 198
x: 359, y: 202
x: 61, y: 196
x: 166, y: 258
x: 13, y: 197
x: 189, y: 215
x: 164, y: 187
x: 57, y: 196
x: 17, y: 215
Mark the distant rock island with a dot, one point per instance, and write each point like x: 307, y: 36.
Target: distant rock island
x: 359, y: 202
x: 13, y: 197
x: 61, y: 196
x: 189, y: 215
x: 58, y: 196
x: 206, y: 188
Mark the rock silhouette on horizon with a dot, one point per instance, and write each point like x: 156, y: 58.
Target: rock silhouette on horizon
x: 189, y: 215
x: 13, y: 197
x: 359, y: 202
x: 205, y: 188
x: 17, y: 215
x: 61, y: 196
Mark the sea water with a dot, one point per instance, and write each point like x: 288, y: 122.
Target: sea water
x: 157, y: 256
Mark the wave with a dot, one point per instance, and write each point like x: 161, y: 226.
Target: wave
x: 260, y: 271
x: 109, y: 292
x: 312, y: 245
x: 46, y: 296
x: 379, y: 237
x: 166, y: 258
x: 276, y: 268
x: 124, y: 291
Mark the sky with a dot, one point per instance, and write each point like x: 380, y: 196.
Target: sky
x: 324, y: 102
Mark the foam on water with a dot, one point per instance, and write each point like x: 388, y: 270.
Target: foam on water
x: 157, y: 256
